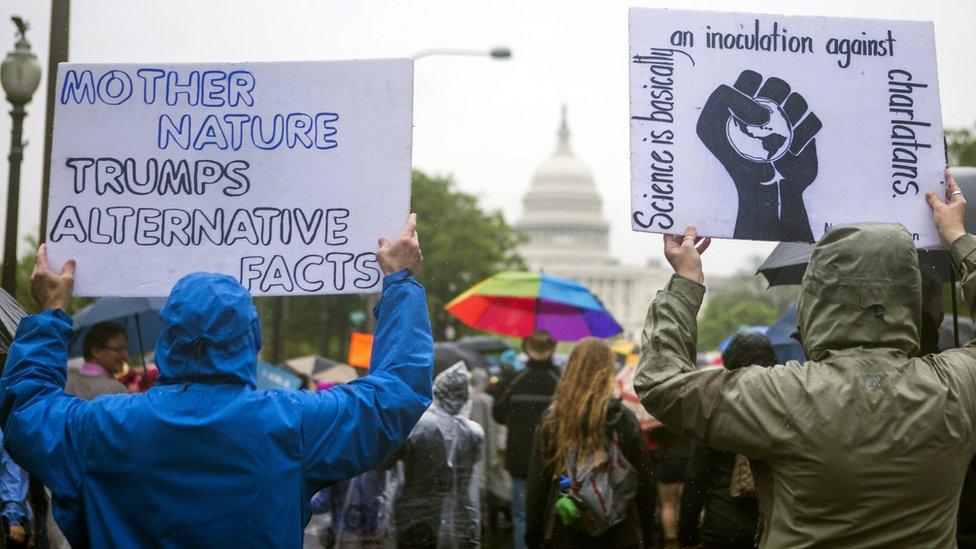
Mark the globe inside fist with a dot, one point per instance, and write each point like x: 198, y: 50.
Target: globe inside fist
x: 762, y: 142
x: 404, y: 252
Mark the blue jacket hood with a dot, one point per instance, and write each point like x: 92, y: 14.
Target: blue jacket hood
x: 210, y: 332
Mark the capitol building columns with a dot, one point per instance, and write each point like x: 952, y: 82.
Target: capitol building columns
x: 568, y: 237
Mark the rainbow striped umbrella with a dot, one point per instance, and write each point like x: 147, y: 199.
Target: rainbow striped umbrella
x: 519, y: 303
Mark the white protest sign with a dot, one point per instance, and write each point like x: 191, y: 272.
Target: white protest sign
x: 769, y: 127
x: 282, y: 175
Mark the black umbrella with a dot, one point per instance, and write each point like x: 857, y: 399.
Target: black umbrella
x: 485, y: 345
x: 138, y: 316
x: 947, y: 337
x: 788, y: 261
x: 448, y: 354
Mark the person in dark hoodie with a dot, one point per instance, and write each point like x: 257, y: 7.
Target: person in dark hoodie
x: 437, y: 502
x: 519, y: 406
x: 585, y: 421
x: 203, y: 459
x: 730, y: 522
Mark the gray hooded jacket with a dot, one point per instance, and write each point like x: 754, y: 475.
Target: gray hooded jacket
x: 863, y: 445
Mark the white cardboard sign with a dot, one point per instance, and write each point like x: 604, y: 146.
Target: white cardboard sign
x: 282, y: 175
x: 768, y: 127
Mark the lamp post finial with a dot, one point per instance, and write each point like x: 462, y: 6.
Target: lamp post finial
x: 22, y: 26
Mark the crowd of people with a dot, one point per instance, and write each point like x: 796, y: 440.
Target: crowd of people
x: 866, y: 444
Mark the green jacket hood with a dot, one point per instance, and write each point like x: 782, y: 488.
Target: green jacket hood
x: 862, y: 288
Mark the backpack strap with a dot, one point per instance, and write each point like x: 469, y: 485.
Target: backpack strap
x: 551, y: 506
x: 511, y: 384
x: 571, y: 463
x: 554, y: 373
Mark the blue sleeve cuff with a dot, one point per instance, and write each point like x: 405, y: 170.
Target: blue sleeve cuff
x: 396, y: 278
x: 56, y: 318
x: 59, y: 314
x: 14, y: 515
x: 400, y: 277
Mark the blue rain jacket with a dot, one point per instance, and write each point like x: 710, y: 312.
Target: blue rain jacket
x: 203, y: 459
x: 13, y: 492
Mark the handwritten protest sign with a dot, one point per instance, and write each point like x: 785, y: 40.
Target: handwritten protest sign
x: 770, y: 127
x: 282, y: 175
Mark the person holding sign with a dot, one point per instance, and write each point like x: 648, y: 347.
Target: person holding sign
x: 203, y: 459
x: 864, y: 445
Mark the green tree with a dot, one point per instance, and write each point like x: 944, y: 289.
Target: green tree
x: 746, y: 281
x: 726, y: 313
x: 962, y: 146
x: 462, y: 244
x: 313, y: 325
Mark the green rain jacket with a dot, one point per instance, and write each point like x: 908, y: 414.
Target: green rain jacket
x: 863, y: 445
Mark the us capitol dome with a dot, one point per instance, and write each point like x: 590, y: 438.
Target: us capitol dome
x: 568, y: 237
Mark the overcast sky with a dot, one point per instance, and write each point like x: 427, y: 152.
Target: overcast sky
x: 487, y: 123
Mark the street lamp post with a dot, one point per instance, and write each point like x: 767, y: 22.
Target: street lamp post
x: 57, y: 52
x: 494, y: 53
x: 20, y: 73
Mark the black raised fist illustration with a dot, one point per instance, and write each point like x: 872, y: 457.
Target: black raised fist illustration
x: 764, y: 137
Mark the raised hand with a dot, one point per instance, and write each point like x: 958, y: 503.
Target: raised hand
x: 683, y: 252
x: 49, y: 290
x: 404, y: 252
x: 949, y: 216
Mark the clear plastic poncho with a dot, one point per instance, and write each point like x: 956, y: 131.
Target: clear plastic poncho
x: 437, y: 498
